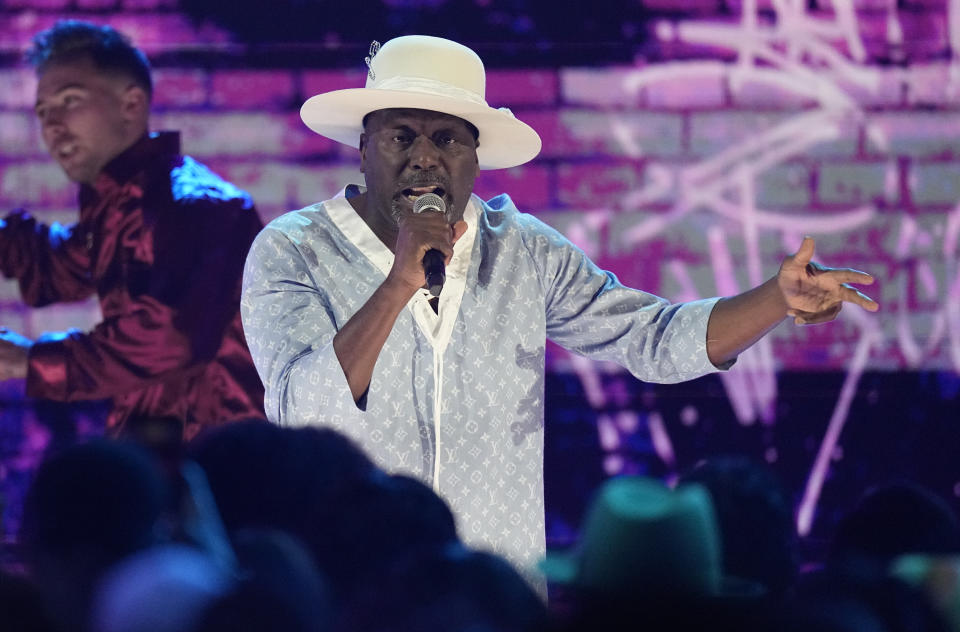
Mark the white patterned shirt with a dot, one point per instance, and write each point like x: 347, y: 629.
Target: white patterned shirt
x: 456, y: 397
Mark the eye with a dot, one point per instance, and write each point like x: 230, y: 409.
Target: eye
x: 71, y: 100
x: 401, y: 138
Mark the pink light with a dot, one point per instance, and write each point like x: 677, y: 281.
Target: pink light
x: 818, y: 473
x: 662, y: 444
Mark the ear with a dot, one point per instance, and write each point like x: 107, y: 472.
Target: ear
x: 135, y: 105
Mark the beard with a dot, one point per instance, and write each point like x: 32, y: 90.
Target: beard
x: 396, y: 211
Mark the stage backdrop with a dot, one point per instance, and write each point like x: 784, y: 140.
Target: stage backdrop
x: 688, y: 145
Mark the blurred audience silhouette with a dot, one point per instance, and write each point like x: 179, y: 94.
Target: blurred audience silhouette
x: 857, y: 588
x: 88, y: 507
x: 755, y: 520
x: 259, y: 527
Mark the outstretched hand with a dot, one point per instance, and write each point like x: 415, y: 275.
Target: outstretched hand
x: 13, y: 354
x: 816, y: 293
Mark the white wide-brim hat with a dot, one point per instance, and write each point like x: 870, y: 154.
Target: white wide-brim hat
x: 427, y: 73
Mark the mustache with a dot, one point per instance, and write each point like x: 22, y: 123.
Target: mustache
x: 424, y: 179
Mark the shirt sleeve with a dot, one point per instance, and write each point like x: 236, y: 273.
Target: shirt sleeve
x: 590, y: 312
x: 290, y: 325
x: 51, y: 263
x: 172, y: 314
x: 119, y: 355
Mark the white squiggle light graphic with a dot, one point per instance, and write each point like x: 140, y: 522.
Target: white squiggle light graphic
x: 945, y: 321
x: 795, y: 52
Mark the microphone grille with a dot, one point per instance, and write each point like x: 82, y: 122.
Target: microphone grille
x: 429, y: 202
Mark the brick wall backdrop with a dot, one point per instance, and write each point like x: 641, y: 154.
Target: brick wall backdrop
x: 736, y: 127
x: 688, y: 173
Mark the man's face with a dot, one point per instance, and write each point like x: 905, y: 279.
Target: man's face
x: 87, y: 117
x: 406, y: 153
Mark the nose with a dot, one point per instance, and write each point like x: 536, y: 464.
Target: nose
x: 51, y: 122
x: 424, y: 154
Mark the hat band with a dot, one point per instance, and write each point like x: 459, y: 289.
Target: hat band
x: 430, y: 86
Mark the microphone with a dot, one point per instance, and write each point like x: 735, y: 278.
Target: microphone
x: 433, y: 266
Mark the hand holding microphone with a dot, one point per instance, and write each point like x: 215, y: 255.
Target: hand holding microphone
x: 434, y: 268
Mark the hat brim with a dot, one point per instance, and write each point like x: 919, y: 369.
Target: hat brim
x: 562, y: 568
x: 504, y: 141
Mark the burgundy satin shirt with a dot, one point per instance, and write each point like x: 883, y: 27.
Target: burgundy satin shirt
x: 161, y: 240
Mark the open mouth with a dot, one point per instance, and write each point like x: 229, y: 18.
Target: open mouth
x: 414, y: 192
x: 65, y: 150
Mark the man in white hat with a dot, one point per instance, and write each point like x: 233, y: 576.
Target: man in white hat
x: 450, y: 389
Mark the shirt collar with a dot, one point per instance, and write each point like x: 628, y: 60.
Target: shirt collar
x: 145, y: 152
x: 362, y: 236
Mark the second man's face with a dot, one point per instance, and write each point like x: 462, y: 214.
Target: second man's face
x: 84, y: 117
x: 406, y: 153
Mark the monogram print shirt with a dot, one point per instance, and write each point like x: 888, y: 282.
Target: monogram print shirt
x: 457, y: 396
